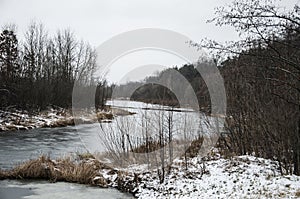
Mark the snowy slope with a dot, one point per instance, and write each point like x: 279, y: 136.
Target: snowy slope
x: 238, y: 177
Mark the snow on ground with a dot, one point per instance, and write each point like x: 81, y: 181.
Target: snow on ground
x: 22, y: 120
x: 238, y: 177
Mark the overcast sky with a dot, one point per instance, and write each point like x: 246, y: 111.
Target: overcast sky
x: 96, y: 21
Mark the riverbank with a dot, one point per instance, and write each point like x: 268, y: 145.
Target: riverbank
x: 210, y: 177
x: 13, y: 119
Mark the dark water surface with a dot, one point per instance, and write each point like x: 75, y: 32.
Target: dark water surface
x: 19, y: 146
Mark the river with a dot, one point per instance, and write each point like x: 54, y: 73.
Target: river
x: 17, y: 147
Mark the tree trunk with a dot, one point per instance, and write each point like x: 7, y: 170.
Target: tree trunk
x: 297, y: 147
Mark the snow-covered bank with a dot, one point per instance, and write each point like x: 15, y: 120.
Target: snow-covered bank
x: 21, y: 120
x: 238, y: 177
x: 213, y: 177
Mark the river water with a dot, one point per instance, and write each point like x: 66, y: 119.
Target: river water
x: 17, y: 147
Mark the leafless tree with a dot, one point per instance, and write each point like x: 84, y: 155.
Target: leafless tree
x: 262, y: 79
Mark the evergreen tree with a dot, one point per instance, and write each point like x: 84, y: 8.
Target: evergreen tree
x: 9, y: 67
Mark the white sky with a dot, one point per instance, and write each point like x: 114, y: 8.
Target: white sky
x: 96, y: 21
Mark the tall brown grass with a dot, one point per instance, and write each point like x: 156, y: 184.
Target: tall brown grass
x: 43, y: 168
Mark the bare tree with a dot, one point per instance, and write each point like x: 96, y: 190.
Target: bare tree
x: 262, y: 71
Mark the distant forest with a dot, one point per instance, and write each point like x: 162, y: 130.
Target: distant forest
x: 41, y: 70
x: 155, y: 93
x: 262, y: 81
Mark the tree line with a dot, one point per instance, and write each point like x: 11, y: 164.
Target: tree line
x: 41, y: 69
x: 150, y: 92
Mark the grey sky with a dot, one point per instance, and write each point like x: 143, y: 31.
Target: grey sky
x: 96, y: 21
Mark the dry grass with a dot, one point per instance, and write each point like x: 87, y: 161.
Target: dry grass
x: 87, y: 155
x: 194, y: 147
x: 147, y: 147
x: 4, y: 174
x: 34, y: 169
x: 104, y: 116
x: 84, y: 172
x: 192, y: 150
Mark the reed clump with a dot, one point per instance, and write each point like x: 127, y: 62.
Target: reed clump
x: 66, y: 170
